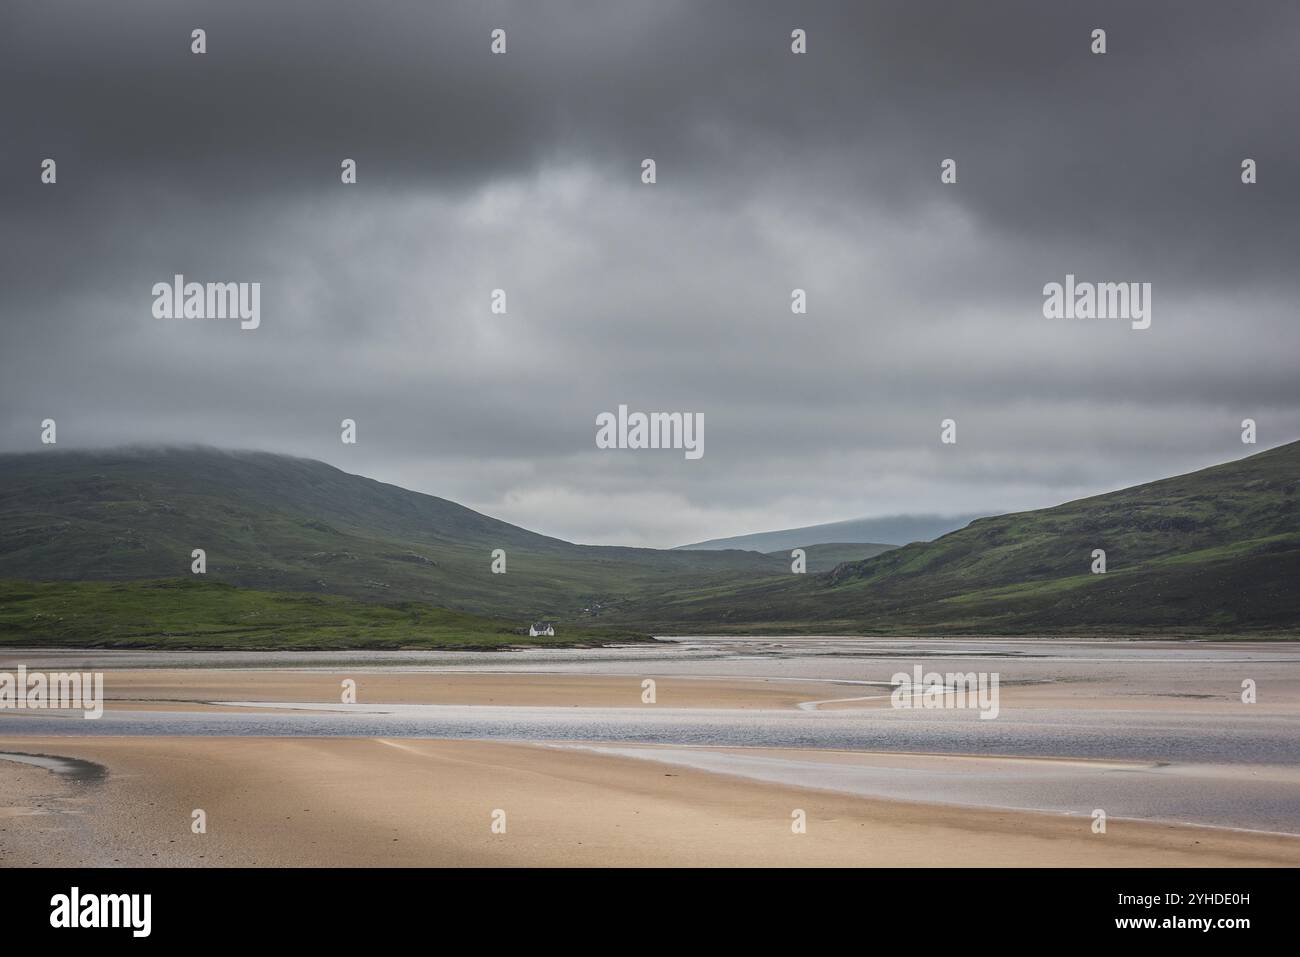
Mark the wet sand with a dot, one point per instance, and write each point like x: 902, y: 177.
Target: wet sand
x: 418, y: 802
x: 187, y: 689
x: 205, y: 689
x: 742, y: 732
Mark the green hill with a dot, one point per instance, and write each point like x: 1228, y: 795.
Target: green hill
x: 278, y: 523
x: 1215, y: 552
x: 1212, y: 552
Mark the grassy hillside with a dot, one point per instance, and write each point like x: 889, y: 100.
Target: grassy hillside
x: 278, y: 523
x: 192, y: 614
x: 1213, y: 552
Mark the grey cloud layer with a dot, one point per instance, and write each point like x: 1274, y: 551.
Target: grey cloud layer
x: 775, y: 171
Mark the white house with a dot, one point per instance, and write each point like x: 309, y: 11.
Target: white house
x: 541, y: 628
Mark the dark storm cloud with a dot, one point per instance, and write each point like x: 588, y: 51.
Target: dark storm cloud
x: 1144, y: 134
x: 775, y: 171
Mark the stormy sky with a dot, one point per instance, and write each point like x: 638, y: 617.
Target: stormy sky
x: 775, y: 171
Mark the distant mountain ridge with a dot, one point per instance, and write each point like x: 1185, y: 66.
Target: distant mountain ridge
x: 822, y: 558
x: 892, y: 530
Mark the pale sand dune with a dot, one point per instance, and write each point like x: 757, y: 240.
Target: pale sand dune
x: 312, y: 801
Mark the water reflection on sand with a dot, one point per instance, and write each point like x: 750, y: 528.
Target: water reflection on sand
x: 1145, y: 729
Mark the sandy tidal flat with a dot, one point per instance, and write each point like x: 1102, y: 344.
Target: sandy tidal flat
x: 742, y: 735
x: 413, y: 802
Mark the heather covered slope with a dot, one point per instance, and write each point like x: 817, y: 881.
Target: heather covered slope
x: 279, y: 523
x: 1213, y: 551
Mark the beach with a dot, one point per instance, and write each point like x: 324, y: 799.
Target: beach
x: 759, y: 753
x: 423, y: 803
